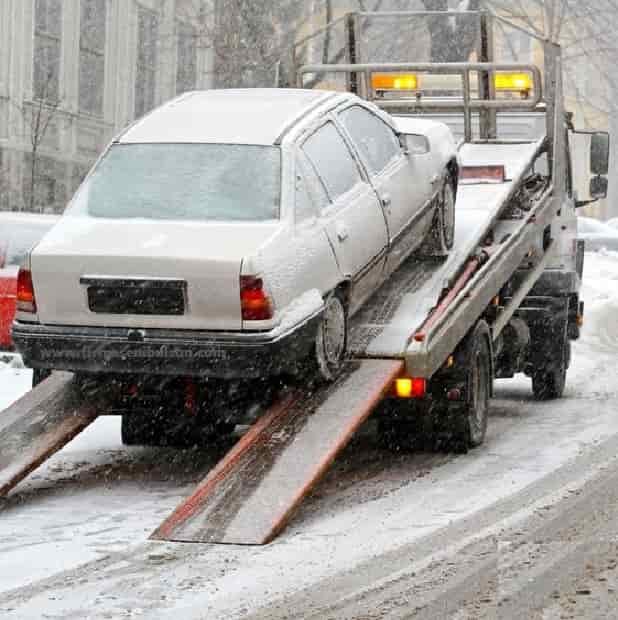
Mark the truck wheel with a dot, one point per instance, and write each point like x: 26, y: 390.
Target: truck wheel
x: 548, y: 382
x: 441, y: 235
x: 331, y: 340
x: 471, y: 418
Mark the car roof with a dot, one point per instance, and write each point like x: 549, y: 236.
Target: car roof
x: 255, y: 116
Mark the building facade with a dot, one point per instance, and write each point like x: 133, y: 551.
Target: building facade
x: 73, y: 73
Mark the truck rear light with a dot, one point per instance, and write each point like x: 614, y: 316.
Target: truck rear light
x: 254, y: 302
x: 410, y: 387
x: 25, y: 301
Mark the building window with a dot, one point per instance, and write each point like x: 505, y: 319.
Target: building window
x: 46, y: 60
x: 186, y: 58
x: 146, y: 69
x: 92, y: 56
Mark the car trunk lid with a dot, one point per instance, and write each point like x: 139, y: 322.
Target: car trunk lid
x: 144, y: 273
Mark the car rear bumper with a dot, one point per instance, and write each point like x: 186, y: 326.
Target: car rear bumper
x: 223, y: 355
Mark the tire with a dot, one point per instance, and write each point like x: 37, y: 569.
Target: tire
x: 331, y: 340
x: 441, y: 236
x: 548, y: 382
x: 471, y: 418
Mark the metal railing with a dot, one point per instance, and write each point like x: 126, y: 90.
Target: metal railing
x: 352, y: 28
x: 418, y: 102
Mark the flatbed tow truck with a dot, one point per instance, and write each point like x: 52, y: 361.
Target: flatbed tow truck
x: 425, y: 349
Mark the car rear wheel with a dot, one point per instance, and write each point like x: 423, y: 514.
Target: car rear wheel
x: 331, y: 339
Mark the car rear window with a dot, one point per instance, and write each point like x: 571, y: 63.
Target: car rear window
x: 184, y: 181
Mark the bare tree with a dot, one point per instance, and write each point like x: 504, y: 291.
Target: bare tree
x: 586, y: 32
x: 454, y: 40
x: 42, y: 111
x: 36, y: 117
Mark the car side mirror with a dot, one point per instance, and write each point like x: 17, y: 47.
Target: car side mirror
x: 415, y: 144
x: 599, y: 187
x: 599, y: 153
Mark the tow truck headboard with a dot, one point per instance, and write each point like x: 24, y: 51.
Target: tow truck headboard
x: 407, y: 87
x: 475, y: 64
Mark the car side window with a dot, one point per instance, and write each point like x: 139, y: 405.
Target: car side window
x: 310, y: 195
x: 375, y: 140
x: 332, y: 161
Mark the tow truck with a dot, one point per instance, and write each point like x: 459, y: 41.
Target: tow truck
x: 426, y: 348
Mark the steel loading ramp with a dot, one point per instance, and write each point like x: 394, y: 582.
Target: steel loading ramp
x: 38, y: 425
x: 252, y: 493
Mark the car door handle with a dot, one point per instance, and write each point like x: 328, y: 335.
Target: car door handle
x: 342, y: 232
x: 386, y: 200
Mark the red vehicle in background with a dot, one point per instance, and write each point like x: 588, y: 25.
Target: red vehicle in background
x: 19, y: 232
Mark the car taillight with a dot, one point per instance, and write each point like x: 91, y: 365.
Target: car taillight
x: 254, y: 302
x: 25, y: 291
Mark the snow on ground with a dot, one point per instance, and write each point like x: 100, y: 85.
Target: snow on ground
x: 92, y: 506
x: 13, y: 383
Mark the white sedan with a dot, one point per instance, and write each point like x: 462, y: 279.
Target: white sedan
x: 232, y: 234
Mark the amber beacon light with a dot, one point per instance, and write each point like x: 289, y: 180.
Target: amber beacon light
x: 394, y: 81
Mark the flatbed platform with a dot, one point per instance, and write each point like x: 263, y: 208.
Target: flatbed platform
x: 383, y: 327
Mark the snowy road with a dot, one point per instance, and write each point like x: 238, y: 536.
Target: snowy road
x: 384, y: 533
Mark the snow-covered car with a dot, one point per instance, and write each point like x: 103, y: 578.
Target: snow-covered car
x: 597, y: 235
x: 233, y: 234
x: 18, y: 233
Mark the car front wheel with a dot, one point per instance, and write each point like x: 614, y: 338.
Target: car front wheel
x: 441, y: 235
x: 331, y: 339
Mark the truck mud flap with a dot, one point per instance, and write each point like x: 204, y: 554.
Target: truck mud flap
x: 249, y: 497
x: 38, y: 425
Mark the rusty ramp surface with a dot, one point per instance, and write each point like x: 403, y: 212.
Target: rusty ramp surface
x: 37, y: 425
x: 252, y: 493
